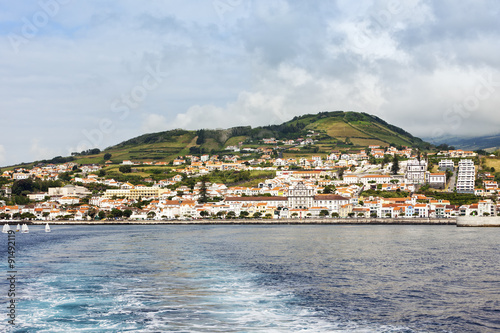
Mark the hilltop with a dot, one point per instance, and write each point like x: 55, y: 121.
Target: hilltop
x: 336, y: 130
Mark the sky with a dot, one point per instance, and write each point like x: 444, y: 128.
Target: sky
x: 76, y: 75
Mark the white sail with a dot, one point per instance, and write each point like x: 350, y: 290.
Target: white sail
x: 5, y: 228
x: 18, y: 228
x: 25, y: 229
x: 47, y: 228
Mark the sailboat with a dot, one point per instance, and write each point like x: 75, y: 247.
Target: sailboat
x: 25, y: 229
x: 18, y: 228
x: 47, y: 228
x: 5, y: 228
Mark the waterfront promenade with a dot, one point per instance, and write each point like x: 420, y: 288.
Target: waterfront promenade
x: 323, y: 221
x: 461, y: 221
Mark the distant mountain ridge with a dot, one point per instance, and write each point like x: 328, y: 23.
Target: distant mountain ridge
x: 488, y: 142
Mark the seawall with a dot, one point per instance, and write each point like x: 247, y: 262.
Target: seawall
x: 475, y: 221
x: 323, y: 221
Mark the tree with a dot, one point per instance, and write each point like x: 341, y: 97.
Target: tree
x: 116, y: 213
x: 244, y: 214
x: 203, y: 190
x: 45, y: 215
x: 65, y: 176
x: 335, y: 214
x: 204, y: 213
x: 201, y: 137
x: 102, y: 215
x: 127, y: 213
x: 28, y: 216
x: 92, y: 212
x: 107, y: 156
x: 22, y: 186
x: 231, y: 215
x: 328, y: 189
x: 125, y: 168
x: 323, y: 213
x: 385, y: 160
x: 295, y: 214
x: 257, y: 215
x: 395, y: 165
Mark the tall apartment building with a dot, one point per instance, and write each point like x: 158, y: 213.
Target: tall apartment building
x: 466, y: 176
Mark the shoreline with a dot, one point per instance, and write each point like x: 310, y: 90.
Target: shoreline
x: 307, y: 221
x: 460, y: 221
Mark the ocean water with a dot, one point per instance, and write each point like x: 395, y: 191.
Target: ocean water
x: 278, y: 278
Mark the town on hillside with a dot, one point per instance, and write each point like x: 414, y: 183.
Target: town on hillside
x: 381, y: 182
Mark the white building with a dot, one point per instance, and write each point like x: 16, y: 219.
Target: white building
x: 375, y: 179
x: 331, y: 202
x: 416, y: 171
x: 300, y: 196
x: 446, y: 165
x: 37, y: 196
x: 466, y: 176
x: 350, y: 179
x: 69, y: 190
x: 437, y: 180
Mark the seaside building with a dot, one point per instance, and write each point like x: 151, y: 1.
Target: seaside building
x: 300, y: 196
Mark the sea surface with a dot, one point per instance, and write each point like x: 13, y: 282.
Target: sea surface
x: 281, y: 278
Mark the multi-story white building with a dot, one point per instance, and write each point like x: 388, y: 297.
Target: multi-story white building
x: 69, y: 190
x: 416, y: 171
x: 300, y: 196
x: 446, y: 165
x: 466, y: 176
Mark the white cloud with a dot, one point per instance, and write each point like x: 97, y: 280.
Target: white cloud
x: 257, y: 63
x: 40, y: 152
x: 155, y: 123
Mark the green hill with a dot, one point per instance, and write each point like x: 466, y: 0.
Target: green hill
x: 336, y: 130
x: 333, y: 130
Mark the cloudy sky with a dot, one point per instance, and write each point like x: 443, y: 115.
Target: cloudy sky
x: 81, y: 74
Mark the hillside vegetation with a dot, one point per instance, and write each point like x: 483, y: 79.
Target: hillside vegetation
x: 332, y: 130
x: 336, y: 130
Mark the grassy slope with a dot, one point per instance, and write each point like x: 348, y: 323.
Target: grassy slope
x: 334, y: 127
